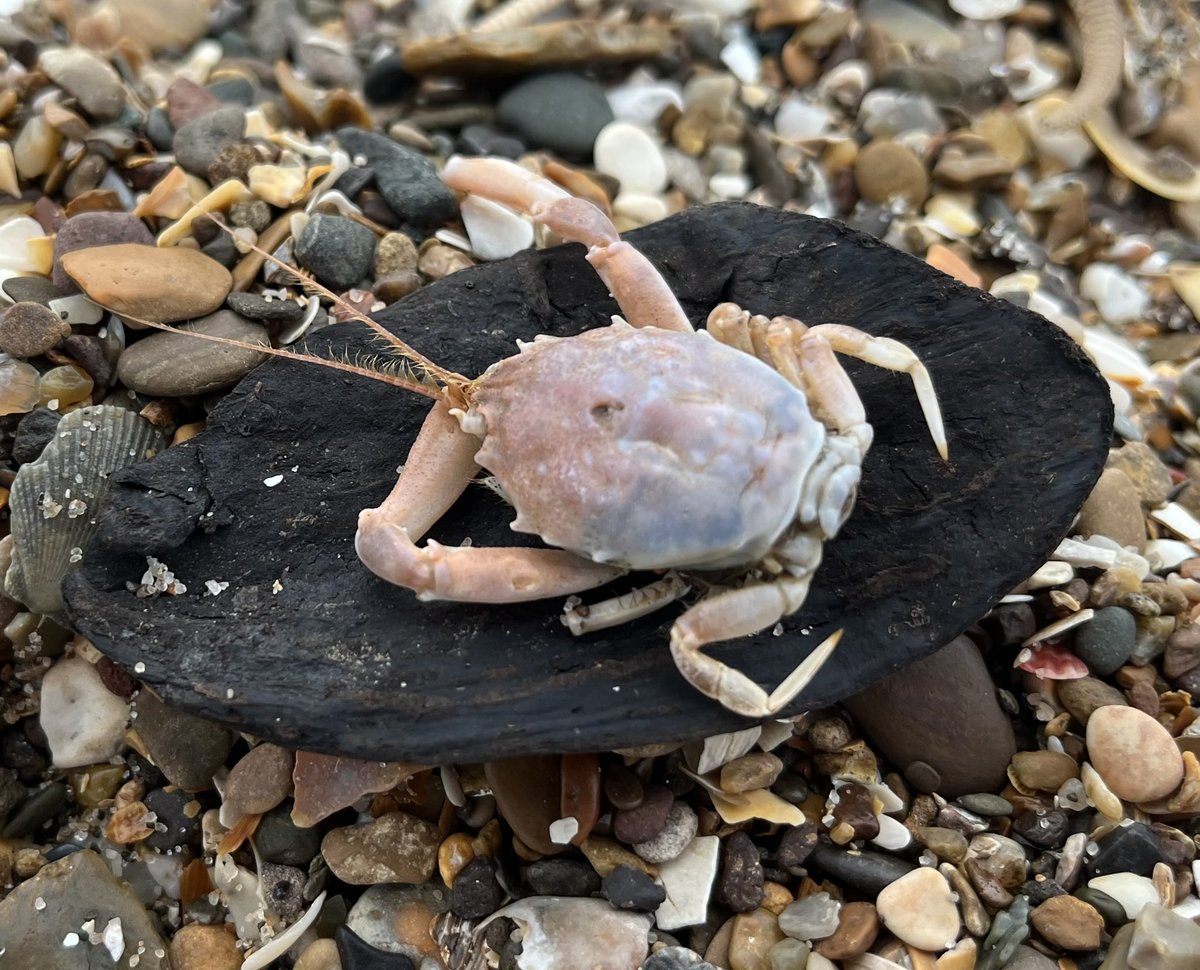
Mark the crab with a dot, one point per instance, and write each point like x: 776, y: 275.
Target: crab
x: 721, y: 459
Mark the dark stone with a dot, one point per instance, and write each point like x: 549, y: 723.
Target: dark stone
x: 901, y: 579
x: 676, y: 958
x: 741, y: 874
x: 867, y: 872
x: 223, y: 249
x: 234, y: 90
x: 648, y: 819
x: 171, y: 807
x: 1112, y: 910
x: 38, y: 809
x: 562, y: 877
x: 283, y: 890
x: 88, y: 353
x: 198, y: 143
x: 354, y: 953
x: 1040, y: 889
x: 159, y: 129
x: 255, y: 307
x: 482, y: 140
x: 354, y: 180
x: 475, y: 893
x: 1045, y: 829
x: 941, y: 711
x: 796, y: 846
x: 32, y: 289
x: 1106, y: 642
x: 1128, y: 848
x: 563, y: 112
x: 116, y: 678
x: 622, y: 787
x: 855, y: 808
x: 278, y: 839
x: 187, y: 749
x: 338, y: 251
x: 629, y: 888
x: 33, y: 434
x: 407, y: 180
x: 12, y: 792
x: 1011, y: 623
x: 387, y: 80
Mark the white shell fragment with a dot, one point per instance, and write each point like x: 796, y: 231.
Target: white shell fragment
x: 55, y: 498
x: 77, y: 309
x: 688, y: 880
x: 631, y: 155
x: 285, y: 940
x: 551, y: 937
x: 495, y: 231
x: 1051, y: 574
x: 986, y: 9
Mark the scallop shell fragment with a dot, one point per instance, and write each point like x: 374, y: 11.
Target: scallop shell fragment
x: 55, y: 499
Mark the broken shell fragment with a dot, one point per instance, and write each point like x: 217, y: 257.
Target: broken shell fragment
x: 550, y: 936
x: 55, y: 499
x: 1179, y: 182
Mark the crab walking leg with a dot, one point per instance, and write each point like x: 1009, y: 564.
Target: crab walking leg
x: 891, y: 355
x: 736, y: 613
x: 439, y: 467
x: 582, y: 618
x: 639, y: 289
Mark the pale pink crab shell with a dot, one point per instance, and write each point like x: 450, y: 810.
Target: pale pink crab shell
x: 647, y: 448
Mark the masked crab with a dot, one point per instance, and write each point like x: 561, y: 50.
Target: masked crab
x: 722, y: 458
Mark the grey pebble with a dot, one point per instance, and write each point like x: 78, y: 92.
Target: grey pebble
x: 181, y: 823
x: 985, y: 803
x: 562, y: 877
x: 676, y: 958
x: 198, y: 143
x: 187, y: 750
x: 407, y: 180
x: 175, y: 365
x: 563, y: 112
x: 278, y: 839
x: 811, y: 918
x: 88, y: 79
x: 283, y: 889
x: 37, y: 809
x: 255, y: 307
x: 629, y: 888
x: 1107, y: 642
x: 676, y: 835
x: 337, y: 250
x: 31, y: 289
x: 95, y: 229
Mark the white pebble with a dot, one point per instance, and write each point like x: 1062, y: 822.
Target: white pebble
x: 1116, y: 294
x: 799, y: 119
x: 631, y: 155
x: 1133, y: 892
x: 1051, y: 574
x: 640, y: 209
x: 741, y: 56
x: 893, y: 836
x: 730, y: 185
x: 496, y: 232
x: 688, y: 880
x: 643, y: 104
x: 986, y: 9
x: 83, y: 720
x: 919, y: 908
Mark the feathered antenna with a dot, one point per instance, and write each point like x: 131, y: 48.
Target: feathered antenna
x: 413, y: 372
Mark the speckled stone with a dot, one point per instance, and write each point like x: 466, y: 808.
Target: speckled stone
x: 338, y: 251
x: 1107, y: 641
x: 200, y: 947
x: 1084, y: 696
x: 396, y: 847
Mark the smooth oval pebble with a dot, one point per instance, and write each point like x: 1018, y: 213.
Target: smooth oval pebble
x: 260, y: 780
x: 83, y: 720
x: 163, y: 284
x: 174, y: 364
x: 1134, y: 754
x: 919, y: 908
x: 631, y: 155
x: 83, y: 75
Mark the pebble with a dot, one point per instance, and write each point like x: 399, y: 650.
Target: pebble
x: 622, y: 787
x: 255, y: 307
x: 561, y: 111
x: 1086, y: 695
x: 811, y: 918
x: 198, y: 143
x: 1043, y: 770
x: 946, y: 844
x: 866, y: 872
x: 163, y: 24
x: 397, y: 918
x: 631, y: 155
x: 1182, y: 653
x: 177, y: 818
x: 187, y: 750
x: 39, y: 808
x: 1128, y: 890
x: 396, y: 847
x: 338, y: 251
x: 354, y: 953
x: 40, y: 913
x: 90, y: 81
x: 407, y: 180
x: 1163, y: 940
x: 687, y: 880
x: 1010, y: 929
x: 83, y: 721
x: 1145, y: 469
x: 676, y: 958
x: 200, y: 947
x: 91, y: 229
x: 278, y: 839
x: 886, y: 170
x: 1069, y: 923
x: 1044, y: 828
x: 1116, y: 294
x: 677, y: 832
x: 759, y: 769
x: 858, y: 926
x: 935, y: 710
x: 742, y: 876
x: 282, y: 889
x: 495, y: 231
x: 164, y: 284
x: 855, y: 809
x: 629, y: 888
x: 475, y: 892
x: 1106, y: 643
x: 1134, y: 754
x: 175, y: 365
x: 919, y: 908
x: 565, y: 877
x: 260, y: 780
x: 1113, y: 509
x: 752, y: 939
x: 1131, y: 847
x: 1000, y: 857
x: 30, y: 329
x: 320, y: 954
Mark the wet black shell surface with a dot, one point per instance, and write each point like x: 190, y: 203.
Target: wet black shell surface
x: 308, y: 648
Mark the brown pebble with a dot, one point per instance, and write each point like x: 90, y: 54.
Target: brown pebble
x: 30, y: 329
x: 1069, y: 922
x: 750, y: 772
x: 751, y: 940
x: 1183, y: 651
x: 1134, y: 754
x: 622, y: 787
x: 580, y: 798
x: 858, y: 925
x: 944, y: 843
x: 855, y: 808
x: 261, y: 780
x: 886, y: 169
x: 993, y: 895
x: 528, y: 795
x: 1146, y: 471
x: 1042, y: 770
x: 1083, y: 696
x: 635, y: 825
x: 1113, y: 510
x: 198, y: 946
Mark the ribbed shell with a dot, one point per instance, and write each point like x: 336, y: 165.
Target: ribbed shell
x: 647, y: 448
x: 55, y: 500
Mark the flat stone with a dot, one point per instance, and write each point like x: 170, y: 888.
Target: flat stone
x: 934, y: 712
x: 919, y: 908
x: 200, y: 947
x: 1134, y: 754
x: 759, y: 769
x: 1114, y: 510
x: 688, y: 880
x: 175, y: 365
x: 1084, y: 696
x: 1069, y: 923
x: 396, y: 847
x: 1044, y: 770
x: 907, y: 553
x: 858, y: 926
x: 163, y: 284
x: 30, y: 329
x: 563, y: 112
x: 407, y: 180
x: 260, y: 780
x: 90, y: 81
x: 187, y: 750
x: 88, y: 230
x: 83, y: 721
x: 40, y: 913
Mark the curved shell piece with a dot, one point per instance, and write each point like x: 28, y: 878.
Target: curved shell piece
x: 55, y: 499
x: 626, y: 445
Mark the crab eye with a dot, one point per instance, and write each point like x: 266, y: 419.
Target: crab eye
x: 603, y: 413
